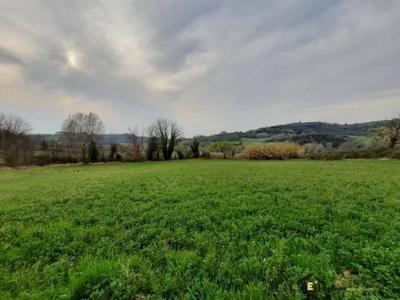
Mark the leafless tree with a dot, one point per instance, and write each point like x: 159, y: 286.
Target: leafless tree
x: 16, y: 147
x: 135, y: 150
x: 79, y: 129
x: 168, y: 135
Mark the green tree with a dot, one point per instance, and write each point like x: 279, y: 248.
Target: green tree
x: 113, y: 151
x: 152, y: 148
x: 195, y: 148
x: 223, y: 147
x: 94, y: 152
x: 390, y: 133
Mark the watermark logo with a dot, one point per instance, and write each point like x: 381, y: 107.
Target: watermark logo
x: 315, y: 288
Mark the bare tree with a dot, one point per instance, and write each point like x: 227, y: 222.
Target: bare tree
x: 80, y: 129
x: 168, y: 135
x: 16, y: 147
x: 136, y: 145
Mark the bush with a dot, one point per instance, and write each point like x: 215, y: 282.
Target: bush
x: 195, y: 148
x: 313, y: 148
x: 217, y: 155
x: 189, y: 154
x: 134, y: 153
x: 180, y: 154
x: 94, y: 152
x: 205, y: 154
x: 223, y: 147
x: 376, y: 153
x: 273, y: 151
x: 395, y: 154
x: 240, y: 155
x: 113, y: 152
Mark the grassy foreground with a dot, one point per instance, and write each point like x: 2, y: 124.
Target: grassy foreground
x: 200, y: 229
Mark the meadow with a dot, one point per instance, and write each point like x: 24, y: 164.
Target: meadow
x: 201, y: 229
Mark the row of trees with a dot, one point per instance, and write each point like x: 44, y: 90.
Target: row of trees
x: 80, y: 141
x: 82, y: 134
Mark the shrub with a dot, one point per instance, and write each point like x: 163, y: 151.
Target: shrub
x: 313, y: 148
x: 395, y: 154
x: 134, y: 153
x: 180, y: 154
x: 189, y: 154
x: 224, y: 147
x: 205, y: 154
x: 273, y: 151
x: 376, y: 153
x: 217, y: 155
x: 240, y: 155
x: 152, y: 152
x: 195, y: 148
x: 94, y: 152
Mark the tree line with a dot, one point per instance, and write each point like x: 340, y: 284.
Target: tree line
x: 81, y: 135
x: 80, y: 142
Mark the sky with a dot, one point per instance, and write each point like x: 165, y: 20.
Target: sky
x: 209, y: 65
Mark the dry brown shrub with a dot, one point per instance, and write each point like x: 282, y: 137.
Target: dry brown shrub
x: 239, y: 155
x: 274, y: 151
x: 216, y: 155
x: 134, y: 153
x: 205, y: 154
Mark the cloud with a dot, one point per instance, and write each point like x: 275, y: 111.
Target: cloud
x: 210, y: 65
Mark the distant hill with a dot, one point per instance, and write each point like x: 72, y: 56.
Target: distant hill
x: 323, y: 128
x: 302, y: 133
x: 357, y: 129
x: 327, y: 134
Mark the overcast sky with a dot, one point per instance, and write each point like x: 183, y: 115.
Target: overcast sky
x: 210, y: 65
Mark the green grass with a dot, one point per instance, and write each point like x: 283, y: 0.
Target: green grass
x: 361, y: 138
x: 200, y: 229
x: 248, y: 141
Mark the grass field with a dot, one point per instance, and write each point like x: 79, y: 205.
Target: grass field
x: 200, y: 229
x: 248, y: 141
x: 361, y: 139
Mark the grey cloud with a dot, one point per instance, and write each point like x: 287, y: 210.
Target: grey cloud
x: 168, y: 20
x: 9, y: 58
x: 220, y: 60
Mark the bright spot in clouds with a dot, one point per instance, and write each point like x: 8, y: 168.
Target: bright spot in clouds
x: 72, y: 60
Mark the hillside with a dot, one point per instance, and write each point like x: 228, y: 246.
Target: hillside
x: 357, y: 129
x: 322, y: 128
x: 323, y: 133
x: 302, y: 133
